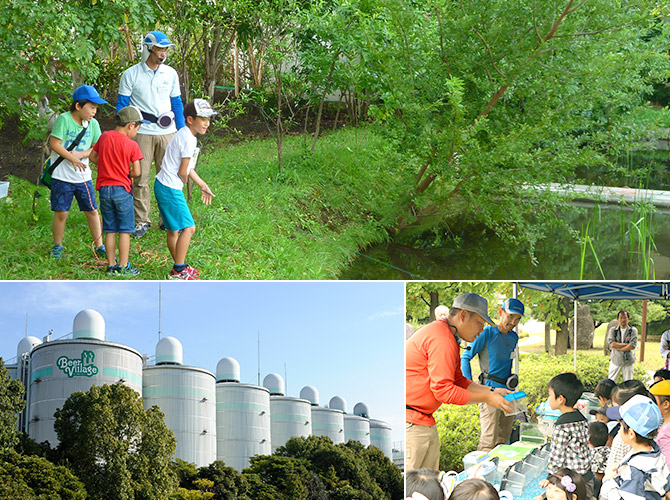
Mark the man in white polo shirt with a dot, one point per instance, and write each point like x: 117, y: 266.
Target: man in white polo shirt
x: 153, y: 87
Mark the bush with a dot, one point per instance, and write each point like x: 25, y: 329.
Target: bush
x: 536, y: 370
x: 458, y: 428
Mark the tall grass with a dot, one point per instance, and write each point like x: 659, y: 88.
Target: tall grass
x: 306, y: 222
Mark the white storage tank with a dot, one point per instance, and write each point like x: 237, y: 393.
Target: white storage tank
x: 187, y: 397
x: 380, y: 436
x: 289, y: 417
x: 325, y: 421
x: 61, y: 367
x: 242, y: 417
x: 356, y: 427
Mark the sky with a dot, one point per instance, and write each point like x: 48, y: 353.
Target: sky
x: 344, y: 338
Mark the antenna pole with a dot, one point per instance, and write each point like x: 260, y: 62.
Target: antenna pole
x: 26, y: 324
x: 159, y: 311
x: 285, y: 381
x: 259, y: 358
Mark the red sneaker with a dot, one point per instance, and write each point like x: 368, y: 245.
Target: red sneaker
x: 192, y: 271
x: 184, y: 275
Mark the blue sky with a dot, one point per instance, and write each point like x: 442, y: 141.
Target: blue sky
x: 344, y: 338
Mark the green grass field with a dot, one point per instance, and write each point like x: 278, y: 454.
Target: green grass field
x: 306, y: 222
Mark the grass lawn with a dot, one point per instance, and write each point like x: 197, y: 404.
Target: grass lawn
x: 306, y: 222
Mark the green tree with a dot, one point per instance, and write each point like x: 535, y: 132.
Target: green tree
x: 29, y: 477
x: 11, y: 404
x: 51, y: 46
x: 341, y: 468
x: 286, y: 475
x: 120, y: 450
x: 485, y: 98
x: 228, y: 483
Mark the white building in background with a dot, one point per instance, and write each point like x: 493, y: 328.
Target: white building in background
x: 289, y: 417
x: 327, y: 422
x: 187, y: 397
x: 212, y: 417
x: 60, y: 367
x: 242, y: 417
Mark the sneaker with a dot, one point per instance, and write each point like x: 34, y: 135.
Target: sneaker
x: 193, y: 271
x: 113, y: 269
x: 56, y: 251
x: 128, y: 271
x: 184, y: 275
x: 141, y: 229
x: 101, y: 252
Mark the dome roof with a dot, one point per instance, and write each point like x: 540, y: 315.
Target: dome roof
x: 169, y: 351
x: 228, y: 370
x: 26, y: 345
x: 274, y: 383
x: 88, y: 324
x: 338, y: 403
x: 310, y: 394
x: 362, y: 410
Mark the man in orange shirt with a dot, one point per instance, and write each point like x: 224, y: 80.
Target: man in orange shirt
x: 434, y: 377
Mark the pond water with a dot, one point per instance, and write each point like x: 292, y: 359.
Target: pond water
x: 484, y: 256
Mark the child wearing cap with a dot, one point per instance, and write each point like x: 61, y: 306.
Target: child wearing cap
x: 177, y: 167
x: 569, y: 440
x: 643, y: 474
x: 72, y: 177
x: 620, y: 394
x: 661, y: 392
x: 118, y: 159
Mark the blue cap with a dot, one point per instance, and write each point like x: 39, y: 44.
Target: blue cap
x: 157, y: 39
x: 640, y: 414
x: 88, y: 93
x: 513, y: 306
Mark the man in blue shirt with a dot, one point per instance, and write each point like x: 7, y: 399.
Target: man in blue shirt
x: 495, y: 347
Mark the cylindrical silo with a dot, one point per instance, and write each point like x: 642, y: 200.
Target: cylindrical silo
x: 61, y: 367
x: 187, y: 397
x: 380, y: 436
x: 325, y: 421
x: 356, y: 427
x: 242, y: 417
x: 289, y: 417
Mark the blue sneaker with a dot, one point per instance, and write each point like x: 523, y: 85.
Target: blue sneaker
x: 128, y: 271
x: 56, y: 251
x: 113, y: 269
x: 101, y: 252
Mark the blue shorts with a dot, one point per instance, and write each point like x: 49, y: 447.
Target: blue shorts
x: 62, y: 193
x: 116, y: 207
x: 173, y: 208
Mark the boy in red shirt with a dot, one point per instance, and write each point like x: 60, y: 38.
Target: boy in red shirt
x: 118, y: 159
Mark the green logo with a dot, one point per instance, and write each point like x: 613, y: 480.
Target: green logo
x: 82, y: 367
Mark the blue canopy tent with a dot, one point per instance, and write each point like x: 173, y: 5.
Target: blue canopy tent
x: 601, y: 290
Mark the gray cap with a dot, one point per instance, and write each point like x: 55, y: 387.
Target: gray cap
x: 473, y: 303
x: 131, y: 114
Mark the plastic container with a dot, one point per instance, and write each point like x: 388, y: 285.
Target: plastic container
x: 519, y: 402
x: 473, y: 458
x: 4, y: 189
x: 487, y: 470
x: 530, y: 433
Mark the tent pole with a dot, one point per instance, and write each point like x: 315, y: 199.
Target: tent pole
x: 574, y: 343
x: 643, y: 328
x: 515, y: 294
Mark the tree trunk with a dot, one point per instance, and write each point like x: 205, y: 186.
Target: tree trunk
x: 236, y: 67
x: 562, y: 338
x: 434, y: 302
x: 547, y: 336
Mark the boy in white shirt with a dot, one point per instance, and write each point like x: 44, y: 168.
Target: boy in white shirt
x: 176, y: 169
